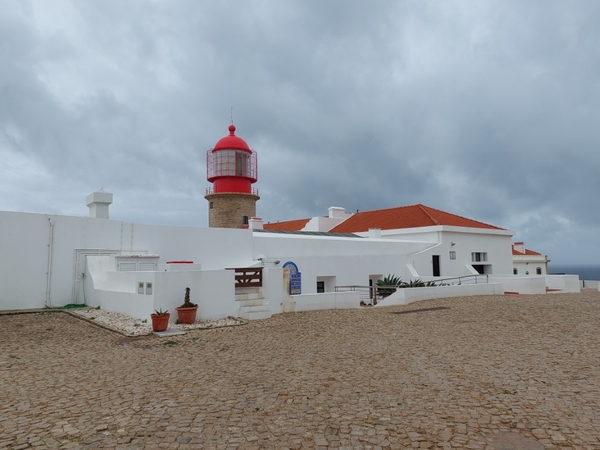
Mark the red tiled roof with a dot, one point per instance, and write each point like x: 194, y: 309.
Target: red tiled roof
x: 527, y: 252
x: 414, y: 216
x: 290, y: 225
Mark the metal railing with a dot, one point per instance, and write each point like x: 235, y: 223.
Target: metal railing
x: 210, y: 190
x: 465, y: 279
x: 370, y: 294
x: 366, y: 293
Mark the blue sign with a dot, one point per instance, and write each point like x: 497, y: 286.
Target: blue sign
x: 295, y: 278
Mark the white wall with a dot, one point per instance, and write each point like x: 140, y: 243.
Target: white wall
x: 212, y: 290
x: 564, y: 283
x: 496, y: 243
x: 404, y: 296
x: 521, y: 285
x: 329, y: 300
x: 346, y: 261
x: 25, y: 241
x: 525, y: 264
x: 24, y: 250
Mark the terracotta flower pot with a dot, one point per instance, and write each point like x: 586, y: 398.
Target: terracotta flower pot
x: 187, y: 315
x: 160, y: 322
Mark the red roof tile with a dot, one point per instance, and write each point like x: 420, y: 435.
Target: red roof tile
x: 414, y: 216
x: 527, y: 252
x: 290, y: 225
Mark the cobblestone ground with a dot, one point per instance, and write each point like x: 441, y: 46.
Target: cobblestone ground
x: 502, y: 372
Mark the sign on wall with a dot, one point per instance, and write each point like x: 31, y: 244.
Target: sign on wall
x: 295, y: 278
x: 452, y: 254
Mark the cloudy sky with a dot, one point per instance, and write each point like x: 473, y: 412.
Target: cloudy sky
x: 490, y: 110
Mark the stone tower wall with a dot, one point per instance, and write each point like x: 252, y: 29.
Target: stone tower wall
x: 229, y: 208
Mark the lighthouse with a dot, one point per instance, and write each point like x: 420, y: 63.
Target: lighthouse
x: 231, y: 167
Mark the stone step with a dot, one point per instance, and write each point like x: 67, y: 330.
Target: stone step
x: 252, y: 302
x: 255, y: 315
x: 253, y: 308
x: 244, y: 296
x: 251, y: 311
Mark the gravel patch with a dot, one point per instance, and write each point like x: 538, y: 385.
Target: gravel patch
x: 130, y: 326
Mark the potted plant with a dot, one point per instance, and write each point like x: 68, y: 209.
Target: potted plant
x: 160, y: 320
x: 187, y: 311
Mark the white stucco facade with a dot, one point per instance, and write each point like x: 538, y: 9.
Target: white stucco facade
x: 457, y: 249
x: 527, y: 262
x: 51, y: 261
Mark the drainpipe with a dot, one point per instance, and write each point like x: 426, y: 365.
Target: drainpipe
x: 49, y: 271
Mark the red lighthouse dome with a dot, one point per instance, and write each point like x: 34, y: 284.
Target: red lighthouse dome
x: 231, y: 167
x: 231, y: 142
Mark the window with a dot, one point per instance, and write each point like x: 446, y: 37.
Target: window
x: 211, y: 205
x: 515, y: 271
x: 245, y: 220
x: 538, y: 271
x: 325, y: 284
x: 320, y: 287
x: 242, y: 164
x: 478, y: 256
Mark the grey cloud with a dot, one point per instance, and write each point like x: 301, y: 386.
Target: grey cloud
x: 487, y: 110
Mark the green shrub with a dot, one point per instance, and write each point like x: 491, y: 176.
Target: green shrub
x: 389, y: 285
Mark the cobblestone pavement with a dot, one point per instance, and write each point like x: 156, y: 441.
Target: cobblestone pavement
x: 502, y: 372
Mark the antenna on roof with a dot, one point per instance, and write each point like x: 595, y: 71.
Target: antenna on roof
x: 232, y: 115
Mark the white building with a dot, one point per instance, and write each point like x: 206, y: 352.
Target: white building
x: 254, y: 271
x: 457, y: 245
x: 528, y: 262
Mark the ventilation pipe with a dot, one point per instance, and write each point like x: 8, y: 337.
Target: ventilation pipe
x: 49, y: 267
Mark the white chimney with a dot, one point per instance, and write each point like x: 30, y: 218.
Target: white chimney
x: 255, y: 223
x: 336, y: 212
x: 98, y: 203
x: 375, y: 233
x: 519, y: 246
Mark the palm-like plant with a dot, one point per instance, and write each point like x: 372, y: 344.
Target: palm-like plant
x: 388, y: 285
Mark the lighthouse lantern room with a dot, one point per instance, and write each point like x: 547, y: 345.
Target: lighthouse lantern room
x: 231, y: 167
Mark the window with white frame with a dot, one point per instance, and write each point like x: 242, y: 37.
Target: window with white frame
x: 478, y: 256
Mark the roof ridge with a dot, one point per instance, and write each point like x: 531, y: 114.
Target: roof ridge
x: 286, y: 221
x: 463, y: 217
x: 384, y: 209
x: 422, y: 208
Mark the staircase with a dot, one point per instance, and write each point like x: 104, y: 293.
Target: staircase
x: 251, y: 305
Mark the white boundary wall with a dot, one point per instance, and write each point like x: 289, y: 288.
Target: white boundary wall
x: 521, y: 285
x: 564, y: 283
x: 38, y: 264
x: 328, y: 300
x: 404, y: 296
x: 212, y: 290
x: 537, y: 284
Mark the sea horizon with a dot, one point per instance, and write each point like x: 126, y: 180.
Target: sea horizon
x: 585, y: 271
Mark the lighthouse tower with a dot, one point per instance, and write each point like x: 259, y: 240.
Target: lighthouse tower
x: 231, y: 168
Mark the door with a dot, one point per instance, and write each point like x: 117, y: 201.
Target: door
x: 436, y: 265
